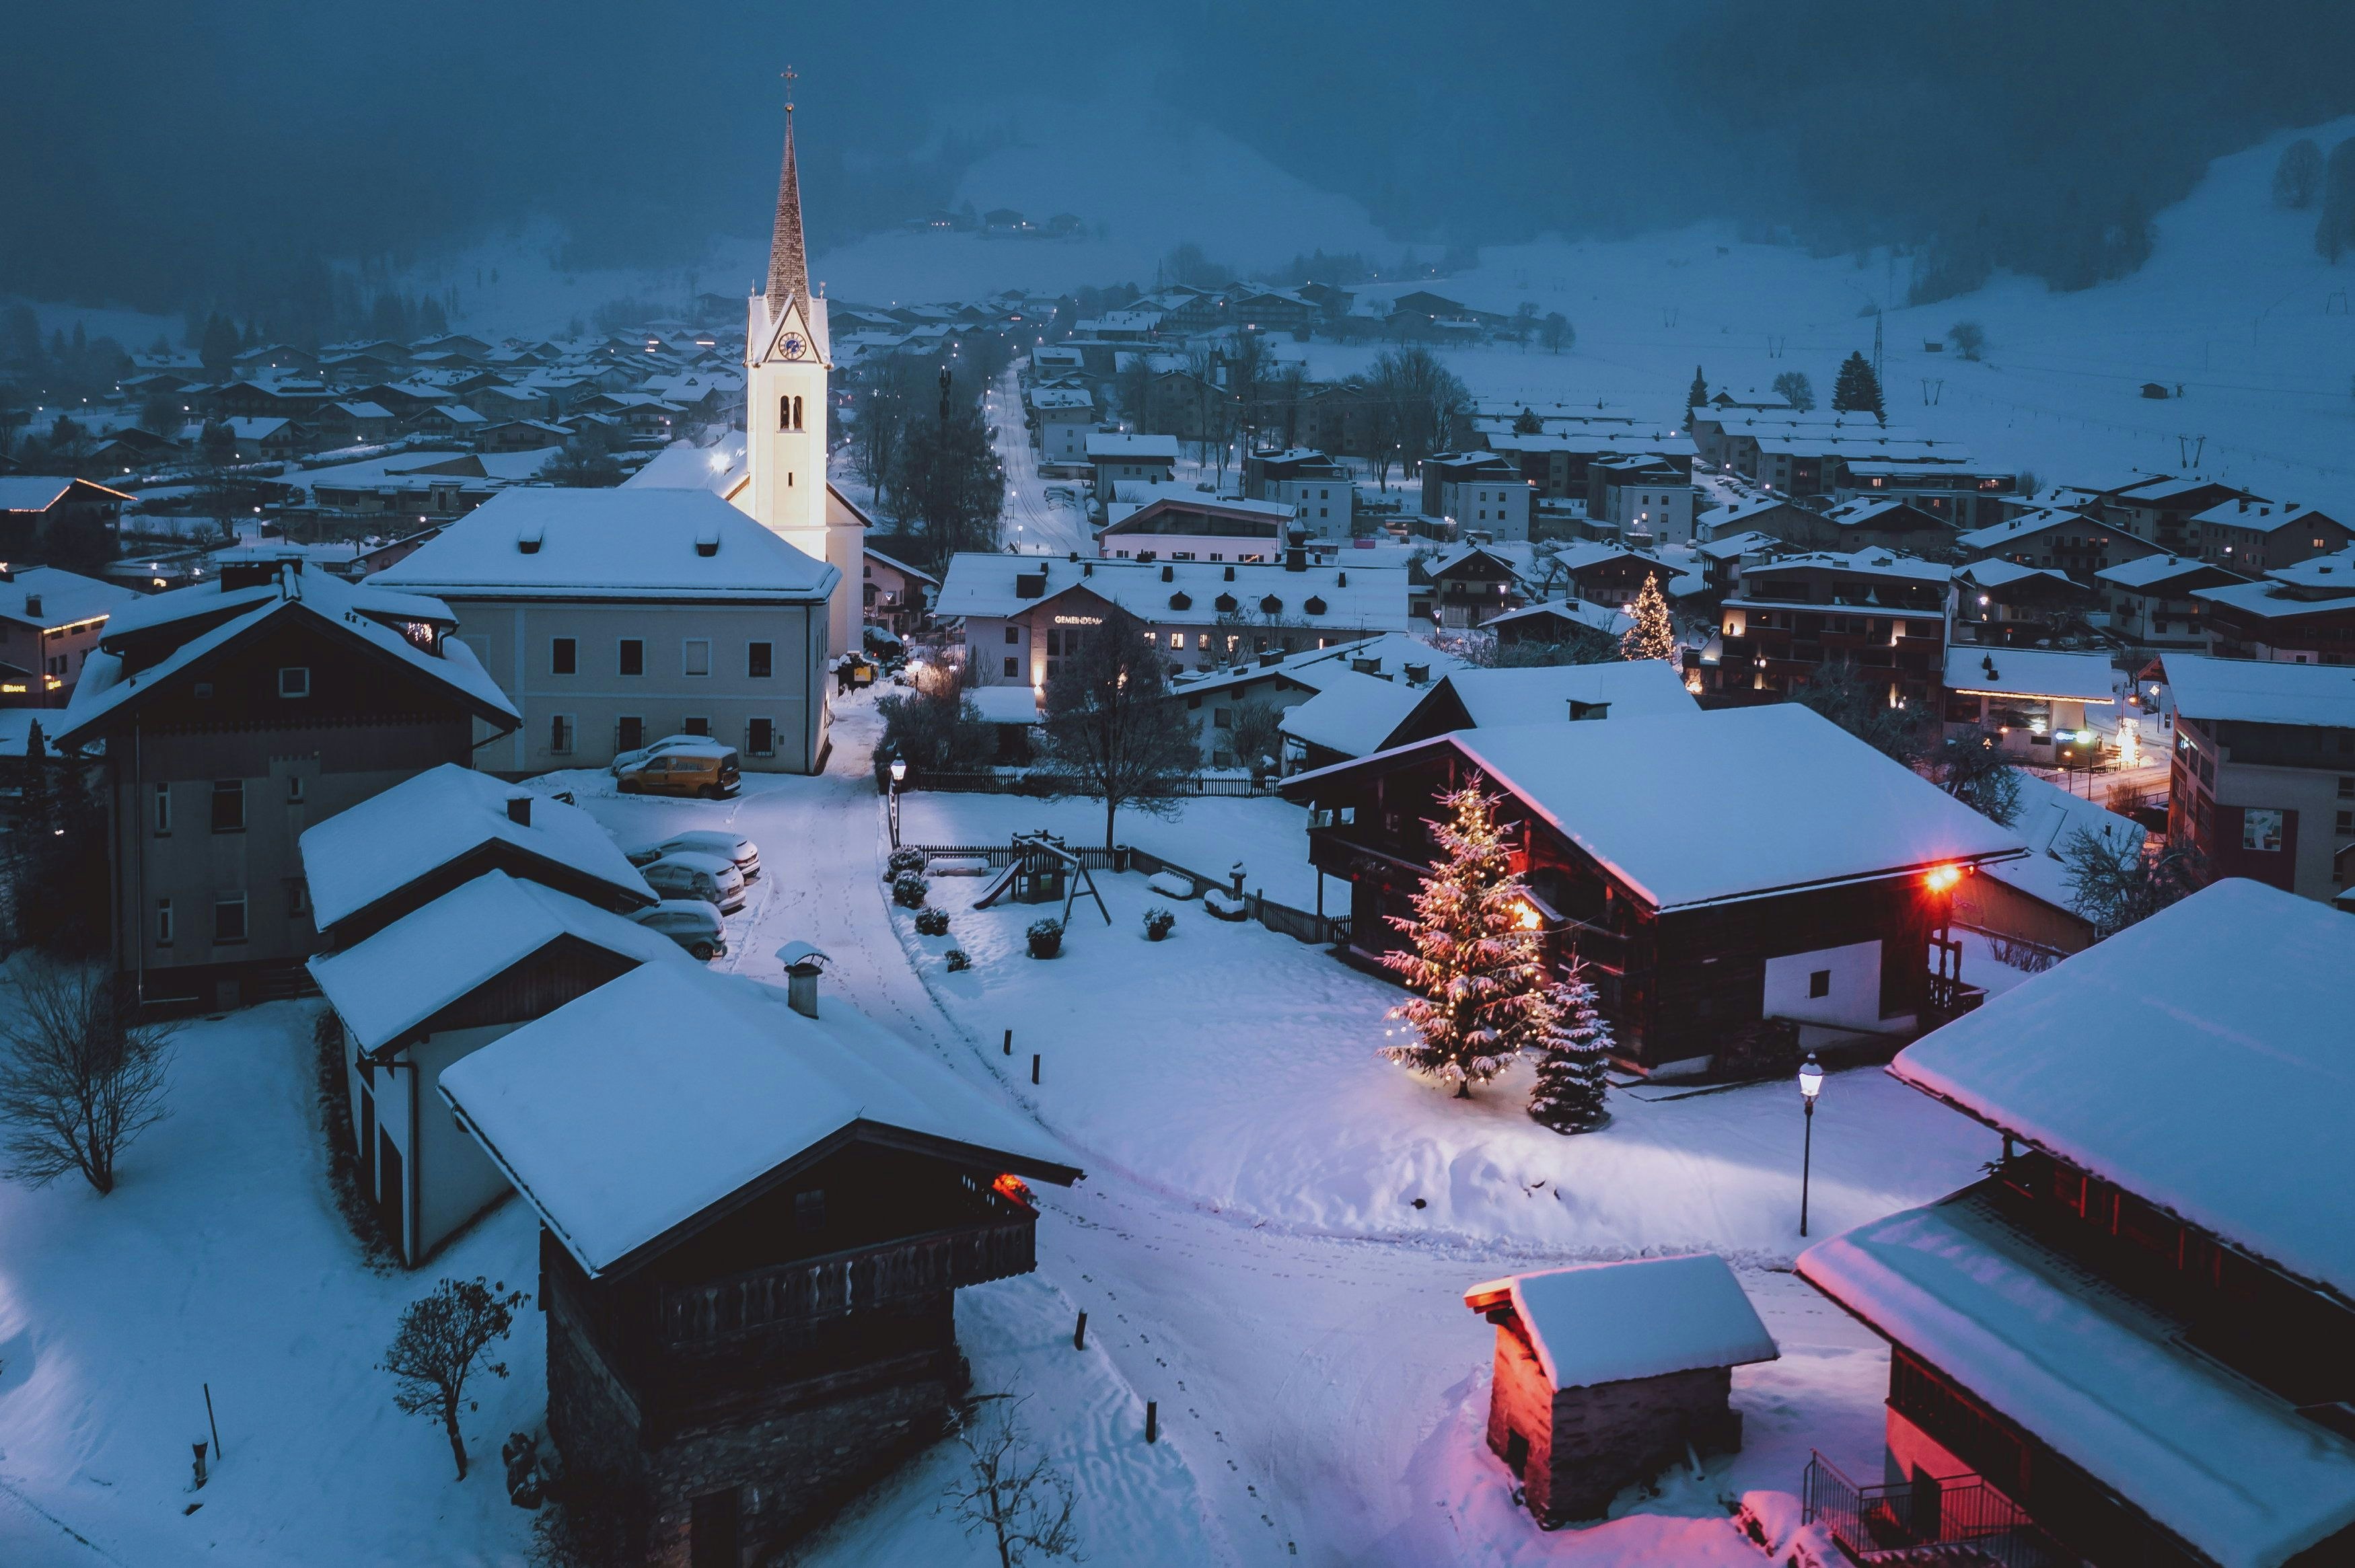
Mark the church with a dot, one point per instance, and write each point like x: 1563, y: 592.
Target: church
x: 697, y: 606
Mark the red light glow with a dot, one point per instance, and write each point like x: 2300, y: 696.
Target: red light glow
x: 1942, y: 878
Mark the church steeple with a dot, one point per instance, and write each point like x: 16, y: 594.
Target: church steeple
x: 788, y: 262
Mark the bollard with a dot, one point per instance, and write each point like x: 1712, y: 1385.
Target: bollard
x: 1009, y: 1043
x: 1079, y: 1334
x: 1034, y: 1067
x: 1151, y: 1421
x: 200, y: 1448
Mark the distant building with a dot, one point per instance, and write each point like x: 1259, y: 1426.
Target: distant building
x: 43, y: 515
x: 1322, y: 493
x: 895, y: 595
x: 2303, y: 614
x: 1884, y: 613
x: 1468, y: 586
x: 1124, y: 458
x: 1187, y: 526
x: 2262, y: 780
x: 1478, y: 491
x: 2253, y: 536
x: 50, y: 622
x: 2034, y: 701
x: 2057, y: 538
x: 2152, y: 603
x: 2000, y: 603
x: 1062, y: 419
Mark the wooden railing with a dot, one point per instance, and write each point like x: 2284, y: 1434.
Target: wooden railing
x: 1922, y: 1521
x: 813, y: 1290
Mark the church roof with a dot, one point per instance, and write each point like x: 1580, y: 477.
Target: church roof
x: 788, y: 258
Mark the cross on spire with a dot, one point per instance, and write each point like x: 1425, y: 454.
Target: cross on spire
x: 788, y: 260
x: 789, y: 74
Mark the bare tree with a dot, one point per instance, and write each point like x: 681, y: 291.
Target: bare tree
x: 445, y: 1338
x: 1969, y: 339
x: 1112, y: 731
x: 1022, y: 1500
x: 2116, y: 881
x: 79, y: 1076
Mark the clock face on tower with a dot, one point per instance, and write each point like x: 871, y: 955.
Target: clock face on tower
x: 793, y: 345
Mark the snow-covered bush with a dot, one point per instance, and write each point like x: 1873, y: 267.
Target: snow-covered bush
x: 1046, y: 938
x: 903, y: 860
x: 1171, y: 884
x: 908, y: 890
x: 1159, y: 924
x: 958, y: 958
x: 932, y: 922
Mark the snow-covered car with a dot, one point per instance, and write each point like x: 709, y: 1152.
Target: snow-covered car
x: 728, y: 846
x: 704, y: 876
x: 638, y: 757
x: 691, y: 923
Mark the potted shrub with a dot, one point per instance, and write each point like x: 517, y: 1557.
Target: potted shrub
x: 1159, y: 924
x: 1046, y: 938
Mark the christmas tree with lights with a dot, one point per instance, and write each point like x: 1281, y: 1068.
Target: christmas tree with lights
x: 1654, y: 635
x: 1477, y: 960
x: 1567, y: 1096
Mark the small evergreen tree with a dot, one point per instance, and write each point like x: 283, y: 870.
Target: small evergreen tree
x: 1568, y: 1096
x: 1858, y: 389
x: 1654, y: 635
x: 2298, y: 174
x: 1527, y: 423
x: 1477, y: 961
x: 1697, y: 394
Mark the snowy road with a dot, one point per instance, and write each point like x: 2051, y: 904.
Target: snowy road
x: 1035, y: 521
x: 1316, y: 1385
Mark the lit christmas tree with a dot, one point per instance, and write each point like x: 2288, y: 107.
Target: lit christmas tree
x: 1654, y: 635
x: 1478, y: 957
x: 1567, y: 1096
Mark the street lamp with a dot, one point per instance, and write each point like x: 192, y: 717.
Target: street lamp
x: 1811, y: 1083
x: 899, y: 772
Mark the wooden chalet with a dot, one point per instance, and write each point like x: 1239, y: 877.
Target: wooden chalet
x: 1715, y: 869
x: 2128, y: 1346
x: 756, y: 1213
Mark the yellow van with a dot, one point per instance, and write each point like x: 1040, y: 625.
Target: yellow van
x: 709, y: 771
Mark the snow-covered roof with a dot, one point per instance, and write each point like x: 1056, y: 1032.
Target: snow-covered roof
x: 612, y: 544
x: 2261, y: 692
x: 67, y: 598
x: 1318, y: 668
x: 346, y: 610
x: 625, y: 1114
x: 1542, y: 693
x: 2331, y: 573
x: 1999, y: 574
x: 1005, y: 705
x: 1708, y: 806
x: 1105, y: 446
x: 1866, y: 563
x: 36, y: 492
x: 2030, y: 673
x: 2227, y: 1466
x: 2270, y: 599
x: 399, y: 976
x: 2199, y: 1059
x: 1644, y: 1317
x: 2260, y: 515
x: 1352, y: 598
x: 1602, y: 618
x: 389, y: 841
x: 1354, y: 714
x: 1728, y: 547
x: 2050, y: 816
x: 683, y: 465
x: 2025, y: 525
x: 2148, y: 571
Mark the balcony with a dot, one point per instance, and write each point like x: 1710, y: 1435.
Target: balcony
x: 1962, y: 1522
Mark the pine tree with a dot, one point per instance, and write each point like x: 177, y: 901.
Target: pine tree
x: 1858, y: 389
x: 1479, y: 958
x: 1654, y: 635
x: 1567, y: 1096
x: 1698, y: 394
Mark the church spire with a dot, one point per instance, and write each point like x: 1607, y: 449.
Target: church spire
x: 788, y: 262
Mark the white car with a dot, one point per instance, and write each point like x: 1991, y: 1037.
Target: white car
x: 626, y: 760
x: 691, y: 923
x: 734, y: 847
x: 704, y: 876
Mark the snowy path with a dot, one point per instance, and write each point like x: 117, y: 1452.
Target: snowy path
x: 1324, y: 1391
x: 1033, y: 522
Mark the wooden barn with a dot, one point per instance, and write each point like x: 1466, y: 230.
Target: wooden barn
x: 1606, y: 1372
x: 1714, y: 868
x: 756, y: 1213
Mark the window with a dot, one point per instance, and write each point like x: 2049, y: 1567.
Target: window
x: 696, y: 660
x: 1222, y: 718
x: 564, y: 657
x: 228, y: 805
x: 293, y: 681
x: 298, y: 898
x: 163, y: 922
x: 809, y: 1211
x: 1819, y: 982
x: 1177, y: 642
x: 1013, y: 635
x: 2347, y: 821
x: 295, y: 789
x: 163, y: 810
x: 1013, y: 666
x: 229, y: 918
x: 634, y: 656
x: 761, y: 737
x: 695, y: 725
x: 2346, y: 787
x: 629, y: 733
x: 560, y: 733
x: 759, y: 658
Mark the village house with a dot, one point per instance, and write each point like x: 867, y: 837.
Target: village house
x: 51, y: 622
x: 2030, y: 903
x: 1886, y: 522
x: 2162, y: 509
x: 1573, y: 621
x: 1282, y: 683
x: 1130, y: 458
x: 1577, y: 1412
x: 1963, y: 494
x: 2302, y: 614
x: 1021, y: 613
x: 510, y: 905
x: 1612, y: 575
x: 895, y: 595
x: 2152, y: 603
x: 1463, y: 587
x: 1787, y: 618
x: 2253, y: 535
x: 1322, y: 493
x: 2262, y: 782
x: 1062, y: 419
x: 1189, y: 526
x: 1559, y: 463
x: 2035, y: 700
x: 2122, y: 1347
x: 2057, y: 539
x: 234, y: 715
x: 1804, y: 882
x: 757, y: 1318
x: 1478, y: 491
x: 1644, y: 499
x: 48, y: 515
x: 1783, y: 521
x: 1277, y: 311
x: 612, y: 617
x: 2003, y: 603
x: 1723, y: 557
x: 1540, y: 693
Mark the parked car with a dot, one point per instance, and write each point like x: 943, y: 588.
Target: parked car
x: 728, y: 846
x: 628, y: 759
x: 704, y: 876
x: 691, y: 923
x: 707, y: 768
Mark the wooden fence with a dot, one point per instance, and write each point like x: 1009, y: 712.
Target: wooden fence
x: 1300, y: 924
x: 1039, y: 785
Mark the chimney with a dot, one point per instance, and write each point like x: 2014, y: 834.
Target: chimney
x: 1230, y: 574
x: 803, y: 963
x: 1169, y: 573
x: 32, y: 604
x: 1417, y: 674
x: 1268, y: 656
x: 519, y: 811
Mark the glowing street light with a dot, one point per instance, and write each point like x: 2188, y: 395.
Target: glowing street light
x: 1811, y: 1083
